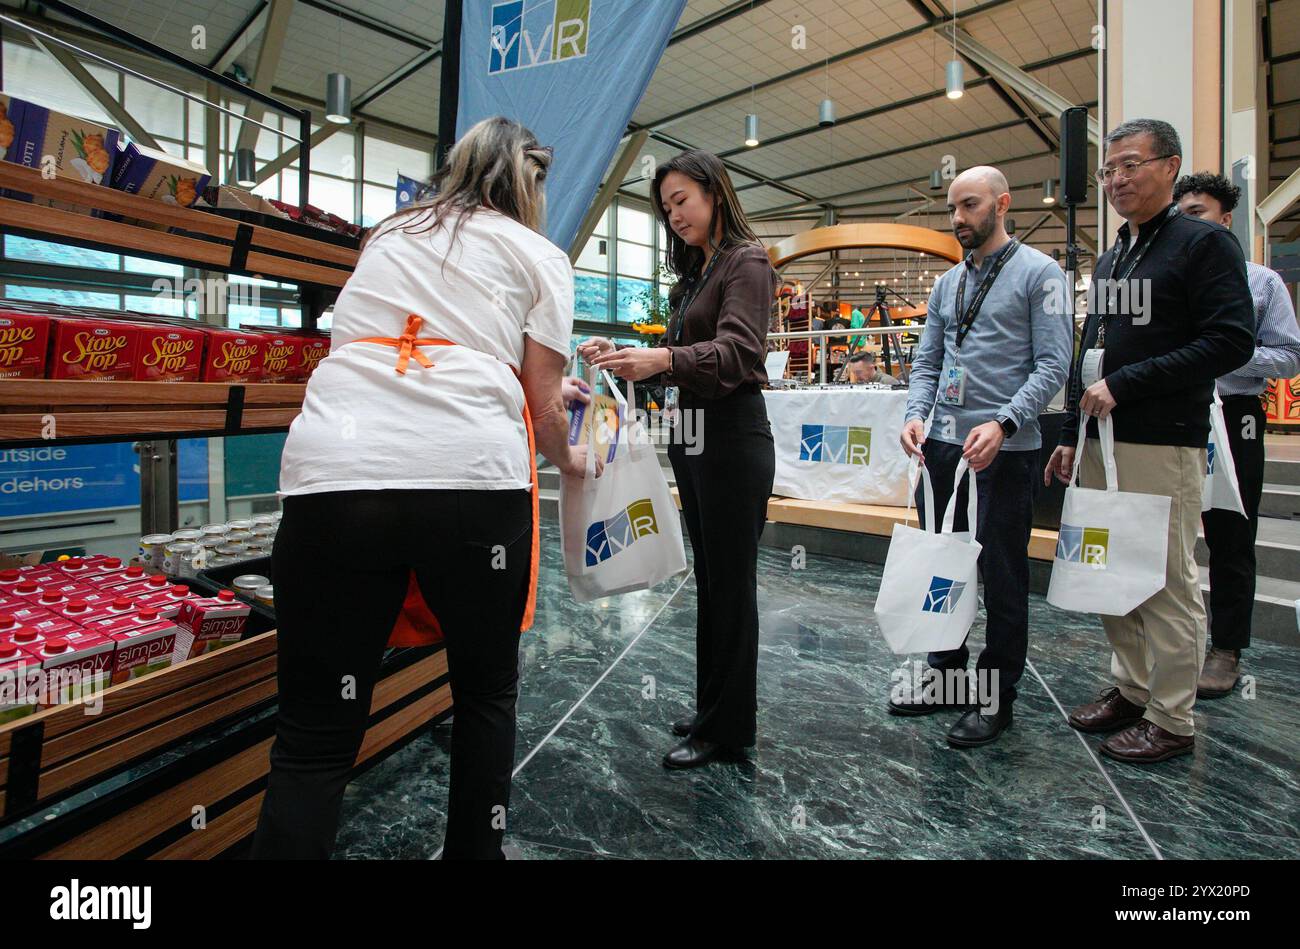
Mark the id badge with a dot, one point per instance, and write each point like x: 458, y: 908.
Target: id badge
x: 1090, y: 370
x: 953, y: 391
x: 672, y: 394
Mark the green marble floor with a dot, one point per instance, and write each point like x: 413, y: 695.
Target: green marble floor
x: 833, y: 775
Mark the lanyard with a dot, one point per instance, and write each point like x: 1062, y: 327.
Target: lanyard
x: 1136, y: 253
x: 967, y: 319
x: 691, y: 294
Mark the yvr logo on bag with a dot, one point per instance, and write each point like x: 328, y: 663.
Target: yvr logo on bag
x: 528, y: 33
x: 943, y: 596
x: 838, y: 444
x: 608, y: 537
x: 1209, y: 458
x: 1088, y: 545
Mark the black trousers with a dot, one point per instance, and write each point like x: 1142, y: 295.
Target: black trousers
x: 724, y: 491
x: 341, y: 563
x: 1231, y: 537
x: 1005, y: 492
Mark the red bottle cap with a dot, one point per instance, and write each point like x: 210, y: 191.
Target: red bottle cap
x: 77, y: 606
x: 158, y: 580
x: 148, y: 612
x: 56, y: 645
x: 27, y: 586
x: 180, y: 589
x: 134, y: 571
x: 113, y: 562
x: 7, y: 621
x: 51, y: 596
x: 122, y: 603
x: 9, y: 576
x: 26, y: 636
x: 74, y: 563
x: 226, y: 595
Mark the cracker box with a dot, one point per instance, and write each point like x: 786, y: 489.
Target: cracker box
x: 209, y: 623
x: 143, y: 650
x: 20, y: 677
x: 158, y: 175
x: 94, y: 350
x: 313, y: 350
x: 24, y: 344
x: 233, y: 356
x: 281, y: 358
x: 72, y: 148
x: 169, y: 353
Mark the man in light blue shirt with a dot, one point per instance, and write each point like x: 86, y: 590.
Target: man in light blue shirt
x: 986, y: 373
x: 1231, y: 537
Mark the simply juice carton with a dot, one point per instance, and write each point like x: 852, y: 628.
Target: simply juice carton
x: 75, y: 665
x: 209, y: 623
x: 143, y: 650
x: 20, y: 677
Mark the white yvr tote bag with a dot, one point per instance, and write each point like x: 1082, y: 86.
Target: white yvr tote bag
x: 620, y: 532
x: 1221, y: 489
x: 1112, y: 546
x: 928, y: 593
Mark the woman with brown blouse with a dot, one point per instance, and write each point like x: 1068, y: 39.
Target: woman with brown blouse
x: 712, y: 354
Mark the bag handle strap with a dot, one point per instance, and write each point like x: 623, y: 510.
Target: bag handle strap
x: 1106, y: 429
x: 972, y: 500
x: 914, y: 470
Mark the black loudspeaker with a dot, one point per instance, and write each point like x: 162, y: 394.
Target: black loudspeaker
x: 1074, y: 155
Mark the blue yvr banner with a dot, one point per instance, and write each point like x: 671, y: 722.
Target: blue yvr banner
x: 572, y: 71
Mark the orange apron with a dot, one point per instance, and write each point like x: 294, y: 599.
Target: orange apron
x: 416, y: 625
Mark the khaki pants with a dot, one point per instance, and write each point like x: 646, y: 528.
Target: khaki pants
x: 1159, y: 647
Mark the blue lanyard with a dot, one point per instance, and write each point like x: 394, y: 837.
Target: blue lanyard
x: 680, y: 316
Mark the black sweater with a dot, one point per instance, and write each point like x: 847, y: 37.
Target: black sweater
x: 1198, y: 324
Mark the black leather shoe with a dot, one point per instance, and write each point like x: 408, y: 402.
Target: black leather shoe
x: 694, y: 752
x: 682, y: 729
x: 975, y: 728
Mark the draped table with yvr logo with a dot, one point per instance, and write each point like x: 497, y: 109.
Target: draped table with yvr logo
x: 839, y: 444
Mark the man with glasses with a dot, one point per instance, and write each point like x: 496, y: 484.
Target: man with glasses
x: 1169, y: 311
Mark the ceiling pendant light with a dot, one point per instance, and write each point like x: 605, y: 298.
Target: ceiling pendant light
x: 338, y: 98
x: 1049, y: 191
x: 936, y: 180
x: 245, y: 168
x: 751, y: 130
x: 826, y: 117
x: 956, y: 81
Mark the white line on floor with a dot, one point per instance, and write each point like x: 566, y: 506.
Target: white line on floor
x: 1097, y: 761
x: 578, y: 704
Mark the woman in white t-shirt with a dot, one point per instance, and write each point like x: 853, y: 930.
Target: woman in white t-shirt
x: 412, y: 456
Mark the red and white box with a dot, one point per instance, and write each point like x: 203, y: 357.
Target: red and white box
x: 314, y: 349
x: 233, y: 356
x: 77, y: 609
x: 45, y: 627
x: 209, y: 623
x: 115, y: 578
x: 83, y: 568
x: 108, y: 604
x: 281, y: 358
x: 75, y: 665
x: 24, y: 344
x: 55, y: 596
x: 20, y: 678
x: 143, y: 650
x: 150, y: 583
x: 23, y: 614
x: 169, y: 353
x: 167, y: 602
x: 94, y: 350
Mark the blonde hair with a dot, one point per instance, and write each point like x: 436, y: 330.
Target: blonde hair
x: 498, y: 164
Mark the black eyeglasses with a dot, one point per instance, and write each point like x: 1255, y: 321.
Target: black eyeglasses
x: 1129, y: 168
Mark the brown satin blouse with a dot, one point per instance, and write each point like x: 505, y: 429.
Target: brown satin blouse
x: 724, y: 338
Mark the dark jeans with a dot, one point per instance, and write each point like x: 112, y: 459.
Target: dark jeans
x: 342, y: 562
x: 1231, y: 537
x: 1005, y: 491
x: 724, y: 491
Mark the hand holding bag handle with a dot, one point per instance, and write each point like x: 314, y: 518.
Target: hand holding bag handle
x: 972, y: 500
x: 1105, y: 428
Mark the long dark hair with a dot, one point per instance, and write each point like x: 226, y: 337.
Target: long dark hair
x: 497, y: 164
x: 681, y: 259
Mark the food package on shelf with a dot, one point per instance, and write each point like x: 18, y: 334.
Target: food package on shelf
x: 24, y: 344
x: 233, y: 356
x: 67, y: 146
x: 94, y: 350
x: 157, y: 175
x: 169, y: 353
x: 11, y: 118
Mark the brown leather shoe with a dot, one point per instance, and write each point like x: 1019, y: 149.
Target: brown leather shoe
x: 1112, y: 712
x: 1146, y: 743
x: 1219, y: 675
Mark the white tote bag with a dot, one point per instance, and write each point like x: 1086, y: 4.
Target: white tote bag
x: 1112, y: 546
x: 928, y: 594
x: 1221, y: 489
x: 620, y: 532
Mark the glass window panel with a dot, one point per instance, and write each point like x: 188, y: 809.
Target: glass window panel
x: 164, y: 306
x: 291, y: 316
x: 591, y: 258
x: 242, y: 315
x: 159, y: 111
x: 591, y: 296
x: 198, y: 121
x: 110, y: 301
x: 47, y: 252
x: 602, y: 226
x: 633, y: 224
x: 335, y: 156
x: 269, y: 144
x: 377, y: 203
x: 270, y: 188
x: 333, y: 195
x: 630, y: 305
x: 289, y: 186
x: 146, y: 266
x: 635, y: 260
x: 386, y: 160
x: 30, y: 74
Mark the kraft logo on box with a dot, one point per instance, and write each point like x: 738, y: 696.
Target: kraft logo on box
x: 838, y: 444
x: 94, y: 350
x: 528, y: 33
x: 24, y: 342
x: 169, y: 354
x: 612, y: 535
